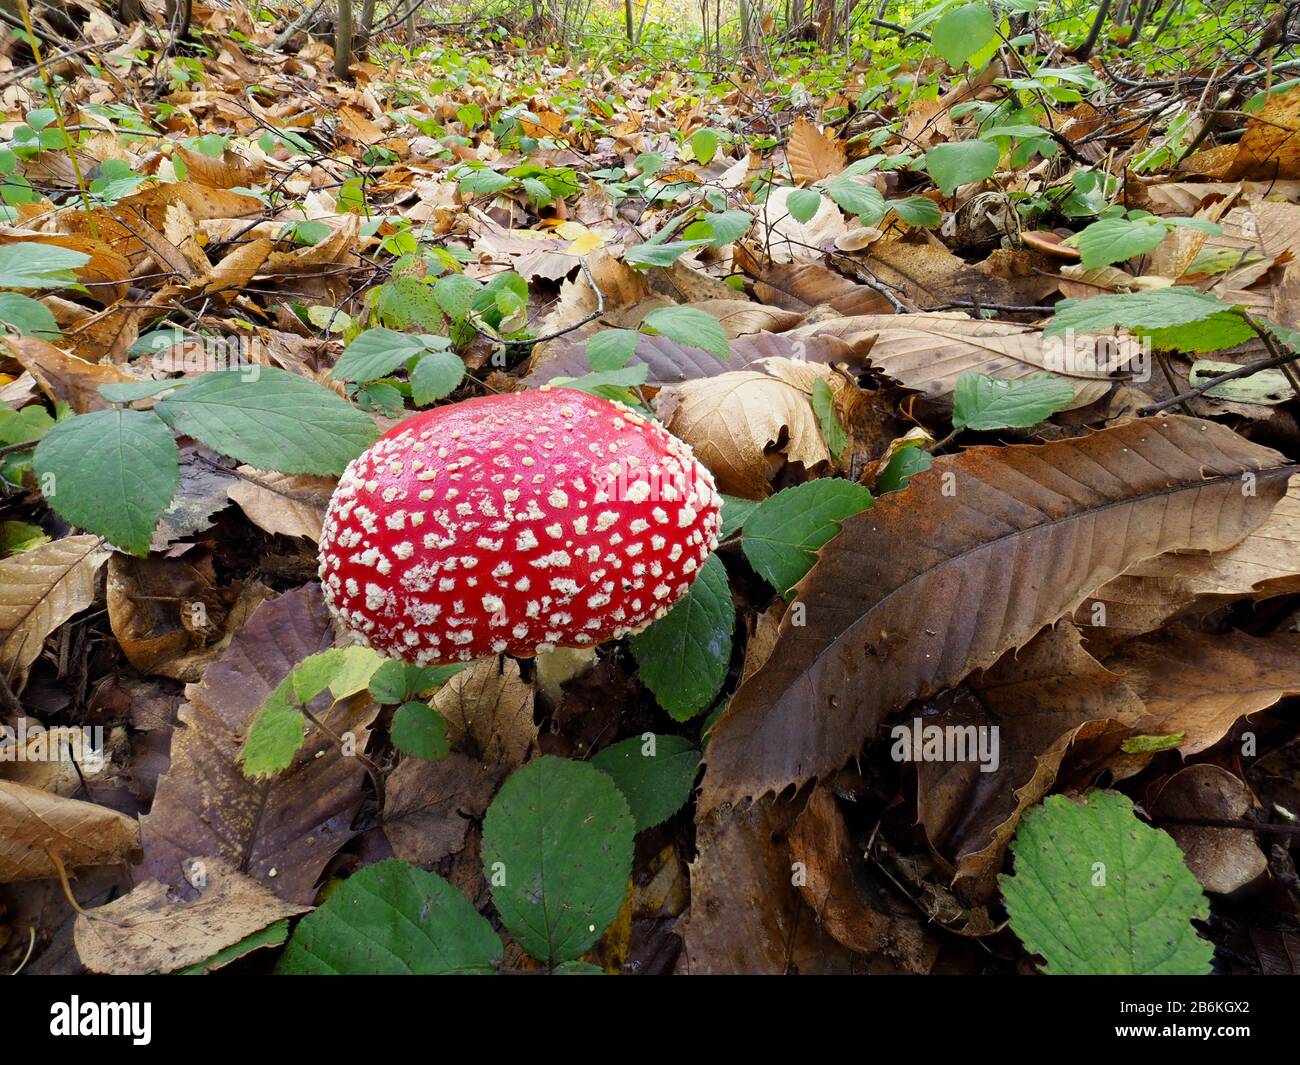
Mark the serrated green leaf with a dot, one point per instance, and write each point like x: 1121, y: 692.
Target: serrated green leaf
x: 277, y: 421
x: 393, y: 918
x: 277, y: 733
x: 786, y: 530
x: 1097, y: 892
x: 375, y: 354
x: 111, y: 472
x: 684, y: 655
x: 30, y: 264
x: 455, y: 294
x: 654, y: 773
x: 704, y: 145
x: 865, y: 201
x: 690, y: 325
x: 420, y: 731
x: 398, y: 682
x: 735, y: 512
x: 803, y: 204
x: 557, y: 852
x: 1177, y: 317
x: 917, y: 211
x: 611, y: 349
x: 728, y: 226
x: 660, y: 254
x: 409, y: 303
x: 981, y: 402
x: 961, y: 163
x: 437, y: 375
x: 27, y: 317
x: 962, y: 32
x: 1116, y: 240
x: 483, y: 183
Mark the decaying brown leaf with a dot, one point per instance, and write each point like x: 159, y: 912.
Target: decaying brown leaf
x: 979, y: 554
x: 490, y: 709
x: 280, y: 832
x: 40, y: 831
x: 39, y: 590
x: 152, y: 931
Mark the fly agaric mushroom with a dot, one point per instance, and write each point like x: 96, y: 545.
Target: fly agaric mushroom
x: 515, y: 523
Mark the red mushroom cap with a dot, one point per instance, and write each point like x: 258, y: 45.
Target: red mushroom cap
x: 515, y: 523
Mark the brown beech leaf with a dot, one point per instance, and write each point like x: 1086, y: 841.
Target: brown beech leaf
x: 490, y: 710
x: 973, y: 559
x: 1266, y: 563
x: 741, y: 424
x: 929, y: 351
x: 283, y: 504
x: 281, y: 832
x: 39, y: 590
x: 746, y: 915
x: 35, y: 823
x: 429, y: 806
x: 1199, y: 684
x: 812, y: 154
x: 151, y: 931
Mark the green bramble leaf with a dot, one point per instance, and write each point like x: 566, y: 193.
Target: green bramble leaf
x: 962, y: 32
x: 654, y: 773
x: 785, y: 531
x: 684, y: 655
x: 393, y: 918
x: 557, y: 852
x: 111, y: 472
x: 692, y: 326
x: 961, y: 163
x: 981, y: 402
x: 1098, y: 892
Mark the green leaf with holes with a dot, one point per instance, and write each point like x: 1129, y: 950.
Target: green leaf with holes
x: 1098, y: 892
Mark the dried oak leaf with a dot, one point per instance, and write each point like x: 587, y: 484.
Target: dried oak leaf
x: 979, y: 554
x: 39, y: 590
x: 281, y: 832
x: 35, y: 823
x: 150, y: 930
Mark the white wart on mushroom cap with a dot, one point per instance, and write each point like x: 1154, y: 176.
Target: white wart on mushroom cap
x: 515, y: 523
